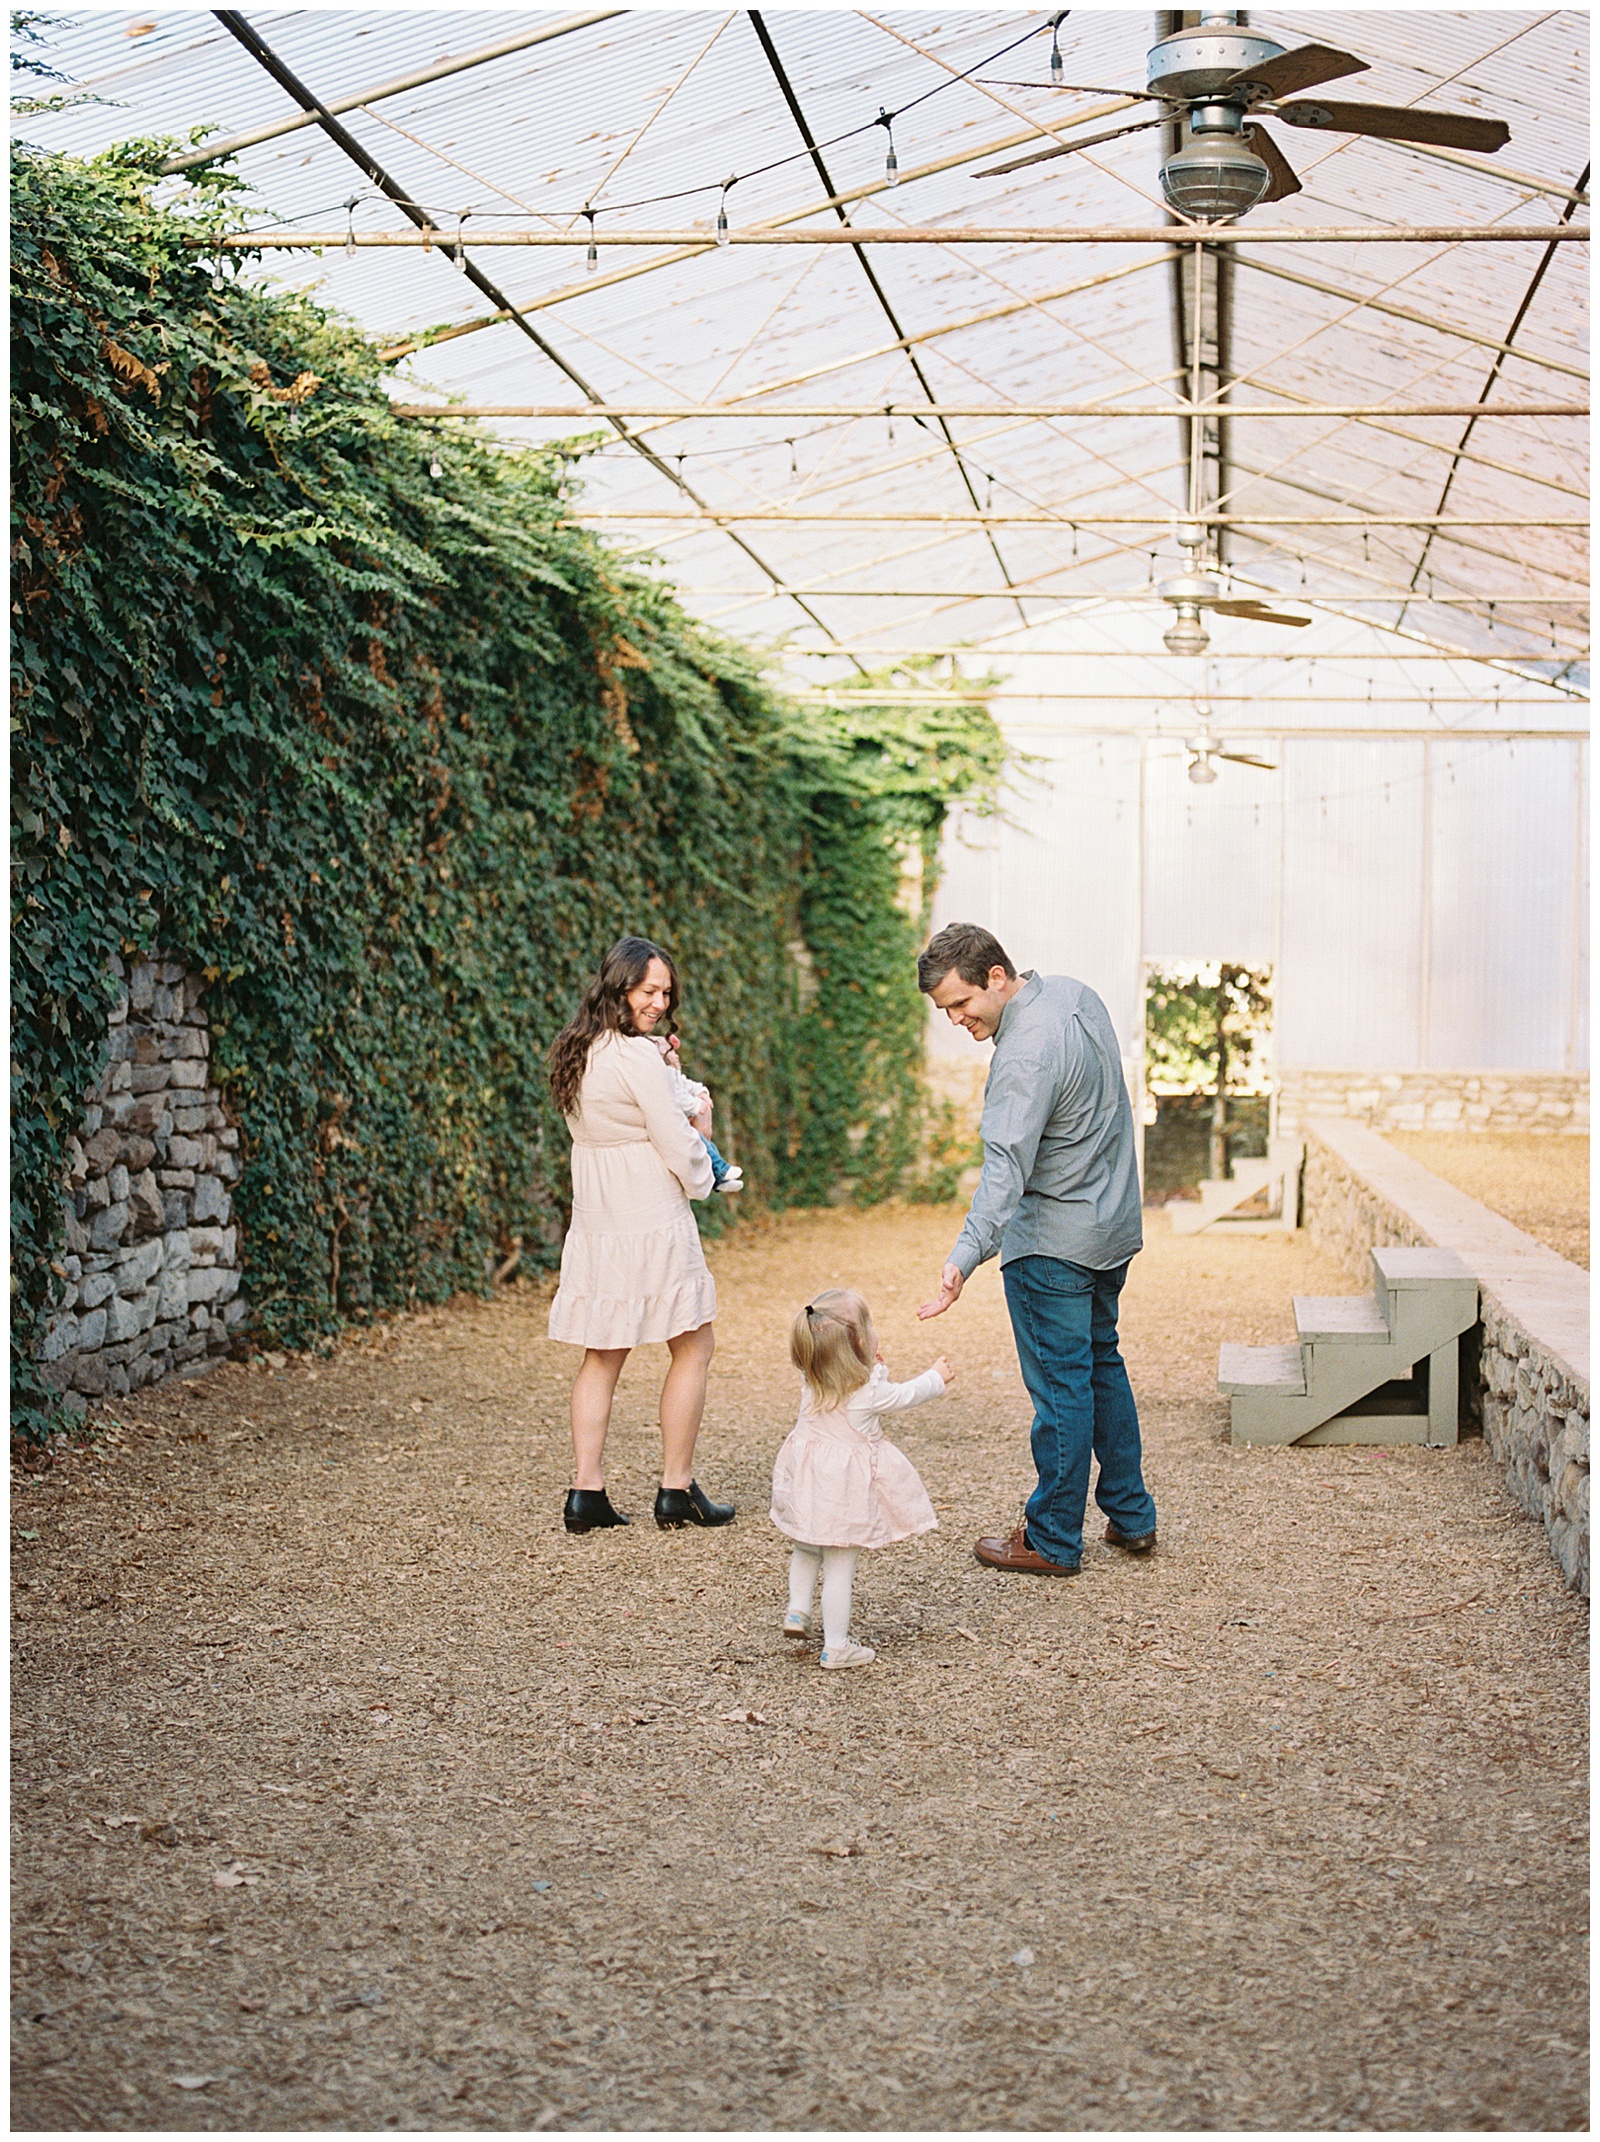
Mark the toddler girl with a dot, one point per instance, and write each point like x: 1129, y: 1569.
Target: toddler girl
x: 839, y: 1484
x: 691, y: 1097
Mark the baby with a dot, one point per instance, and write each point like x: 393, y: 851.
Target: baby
x: 691, y: 1097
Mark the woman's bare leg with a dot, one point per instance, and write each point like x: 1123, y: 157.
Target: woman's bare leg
x: 683, y: 1400
x: 592, y: 1391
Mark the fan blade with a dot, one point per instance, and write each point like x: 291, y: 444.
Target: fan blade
x: 1243, y: 758
x: 1284, y: 181
x: 1388, y: 122
x: 1067, y: 148
x: 1258, y: 612
x: 1303, y: 68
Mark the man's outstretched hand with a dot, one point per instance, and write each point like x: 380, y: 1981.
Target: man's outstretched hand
x: 951, y: 1281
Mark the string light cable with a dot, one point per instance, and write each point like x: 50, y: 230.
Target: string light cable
x: 722, y: 187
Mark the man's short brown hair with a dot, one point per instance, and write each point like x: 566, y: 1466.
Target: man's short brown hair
x: 967, y: 948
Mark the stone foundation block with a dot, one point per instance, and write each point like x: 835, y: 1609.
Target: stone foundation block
x: 152, y: 1153
x: 95, y: 1288
x: 108, y: 1227
x: 211, y: 1201
x: 90, y: 1374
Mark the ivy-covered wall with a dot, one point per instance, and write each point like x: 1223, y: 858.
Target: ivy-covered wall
x: 348, y: 717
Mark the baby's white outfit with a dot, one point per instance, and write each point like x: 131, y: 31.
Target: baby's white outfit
x: 687, y: 1093
x: 840, y: 1482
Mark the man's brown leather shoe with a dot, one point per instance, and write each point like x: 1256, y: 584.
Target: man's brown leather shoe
x: 1129, y: 1542
x: 1014, y: 1553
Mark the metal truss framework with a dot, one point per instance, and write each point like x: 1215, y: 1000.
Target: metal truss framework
x: 1350, y: 450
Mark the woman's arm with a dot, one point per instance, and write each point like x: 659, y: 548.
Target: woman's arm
x: 649, y: 1082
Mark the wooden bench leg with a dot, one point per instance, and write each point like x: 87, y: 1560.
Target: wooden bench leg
x: 1444, y: 1378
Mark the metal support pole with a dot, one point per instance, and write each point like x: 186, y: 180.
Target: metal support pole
x: 1012, y: 234
x: 1580, y: 834
x: 1275, y: 1122
x: 1142, y: 996
x: 1011, y: 412
x: 834, y: 516
x: 1425, y: 925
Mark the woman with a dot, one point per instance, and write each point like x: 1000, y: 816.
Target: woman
x: 632, y: 1269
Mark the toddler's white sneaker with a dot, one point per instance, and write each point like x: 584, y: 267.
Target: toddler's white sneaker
x: 796, y: 1624
x: 848, y: 1655
x: 732, y: 1182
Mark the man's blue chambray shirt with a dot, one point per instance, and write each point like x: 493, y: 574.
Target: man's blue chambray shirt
x: 1060, y: 1169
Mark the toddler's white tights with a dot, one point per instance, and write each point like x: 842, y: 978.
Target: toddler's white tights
x: 838, y: 1567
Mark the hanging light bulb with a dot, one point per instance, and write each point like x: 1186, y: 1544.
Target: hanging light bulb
x: 891, y: 167
x: 350, y: 207
x: 722, y: 210
x: 1056, y: 69
x: 591, y: 259
x: 436, y: 468
x: 461, y: 241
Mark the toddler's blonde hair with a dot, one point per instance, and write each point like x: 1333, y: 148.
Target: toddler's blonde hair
x: 833, y: 1345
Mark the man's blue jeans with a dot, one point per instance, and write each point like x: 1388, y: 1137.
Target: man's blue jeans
x: 1065, y: 1320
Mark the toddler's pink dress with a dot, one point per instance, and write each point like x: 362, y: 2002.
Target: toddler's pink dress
x: 840, y: 1482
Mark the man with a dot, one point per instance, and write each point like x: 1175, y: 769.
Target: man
x: 1059, y: 1201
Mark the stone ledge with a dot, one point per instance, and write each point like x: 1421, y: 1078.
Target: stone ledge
x: 1528, y: 1373
x: 1543, y: 1292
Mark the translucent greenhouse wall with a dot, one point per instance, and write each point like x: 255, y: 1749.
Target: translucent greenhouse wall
x: 1424, y: 906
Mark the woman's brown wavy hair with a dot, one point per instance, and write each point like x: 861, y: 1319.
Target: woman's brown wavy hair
x: 604, y: 1010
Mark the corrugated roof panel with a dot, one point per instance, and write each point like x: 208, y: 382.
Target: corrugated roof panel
x: 672, y: 102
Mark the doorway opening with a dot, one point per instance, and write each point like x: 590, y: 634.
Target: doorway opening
x: 1207, y: 1072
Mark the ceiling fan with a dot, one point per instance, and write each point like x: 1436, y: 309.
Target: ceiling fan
x: 1221, y: 82
x: 1196, y: 589
x: 1204, y: 750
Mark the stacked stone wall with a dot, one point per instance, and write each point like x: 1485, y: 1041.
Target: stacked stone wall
x: 1535, y: 1415
x: 152, y: 1266
x: 1516, y: 1392
x: 1436, y: 1100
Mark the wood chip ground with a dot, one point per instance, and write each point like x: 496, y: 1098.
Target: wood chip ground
x: 350, y: 1792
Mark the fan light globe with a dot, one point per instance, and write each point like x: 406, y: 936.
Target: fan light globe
x: 1186, y: 635
x: 1216, y: 179
x: 1201, y: 771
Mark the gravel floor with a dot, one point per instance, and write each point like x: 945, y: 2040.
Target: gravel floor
x: 349, y: 1792
x: 1540, y: 1184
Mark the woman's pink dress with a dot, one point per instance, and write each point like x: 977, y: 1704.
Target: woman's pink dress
x: 632, y: 1269
x: 840, y: 1482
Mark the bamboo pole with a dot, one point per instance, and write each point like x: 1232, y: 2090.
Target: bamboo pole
x: 716, y: 517
x: 907, y: 234
x: 680, y: 412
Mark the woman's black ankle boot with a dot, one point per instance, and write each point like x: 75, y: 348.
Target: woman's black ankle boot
x: 678, y: 1506
x: 589, y: 1510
